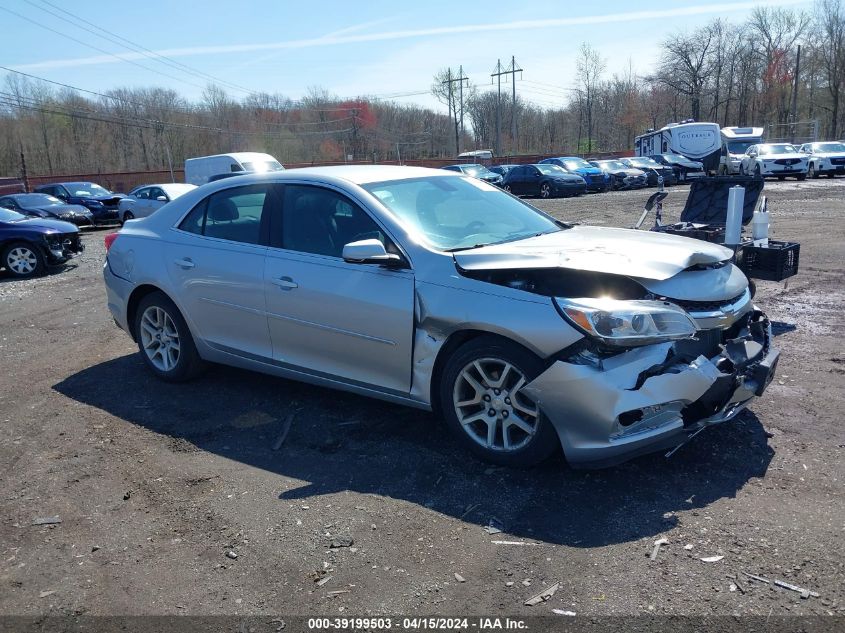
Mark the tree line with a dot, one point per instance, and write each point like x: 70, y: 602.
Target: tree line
x: 747, y: 73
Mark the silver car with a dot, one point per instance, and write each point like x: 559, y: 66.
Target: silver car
x: 147, y: 199
x: 443, y: 292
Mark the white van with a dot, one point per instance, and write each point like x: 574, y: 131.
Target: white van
x: 199, y: 171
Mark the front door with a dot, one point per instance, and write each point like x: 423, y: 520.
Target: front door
x: 329, y: 317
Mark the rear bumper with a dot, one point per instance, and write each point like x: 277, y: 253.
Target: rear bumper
x: 641, y: 401
x: 117, y: 296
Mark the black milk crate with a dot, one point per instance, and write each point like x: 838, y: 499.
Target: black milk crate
x: 715, y: 234
x: 775, y: 262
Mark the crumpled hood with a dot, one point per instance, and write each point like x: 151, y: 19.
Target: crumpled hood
x: 644, y: 254
x: 45, y: 225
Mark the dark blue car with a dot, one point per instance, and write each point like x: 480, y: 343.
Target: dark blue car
x: 595, y: 178
x: 101, y: 202
x: 29, y: 245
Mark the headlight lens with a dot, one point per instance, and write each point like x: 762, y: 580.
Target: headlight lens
x: 628, y: 323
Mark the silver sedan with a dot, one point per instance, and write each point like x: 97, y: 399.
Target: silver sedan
x: 147, y: 199
x: 442, y: 292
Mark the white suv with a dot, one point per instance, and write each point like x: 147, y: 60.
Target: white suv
x: 825, y: 158
x: 774, y: 159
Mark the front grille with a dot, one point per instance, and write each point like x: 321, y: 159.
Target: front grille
x: 837, y: 161
x: 597, y: 180
x: 705, y: 306
x: 787, y: 161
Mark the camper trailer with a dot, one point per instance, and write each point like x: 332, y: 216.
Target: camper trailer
x: 700, y: 142
x: 735, y: 140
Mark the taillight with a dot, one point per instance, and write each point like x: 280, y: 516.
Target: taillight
x: 109, y: 240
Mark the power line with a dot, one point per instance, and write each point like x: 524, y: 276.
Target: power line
x: 99, y: 50
x: 130, y: 45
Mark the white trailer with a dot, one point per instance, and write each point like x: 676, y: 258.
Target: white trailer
x: 199, y: 170
x: 735, y: 140
x: 700, y: 142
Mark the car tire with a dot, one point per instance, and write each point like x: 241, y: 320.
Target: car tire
x: 128, y: 216
x: 23, y: 260
x: 781, y: 177
x: 545, y: 190
x: 801, y: 177
x: 831, y: 175
x: 158, y: 324
x: 812, y: 172
x: 507, y: 188
x: 486, y: 375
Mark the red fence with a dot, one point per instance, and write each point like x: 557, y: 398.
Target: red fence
x: 127, y: 180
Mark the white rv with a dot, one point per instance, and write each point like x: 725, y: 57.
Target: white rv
x: 700, y: 142
x: 735, y: 140
x: 199, y: 171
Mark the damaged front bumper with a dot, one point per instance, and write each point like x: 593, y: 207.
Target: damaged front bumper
x: 655, y: 397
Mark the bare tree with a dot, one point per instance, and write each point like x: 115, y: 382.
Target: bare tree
x: 589, y: 69
x: 829, y: 35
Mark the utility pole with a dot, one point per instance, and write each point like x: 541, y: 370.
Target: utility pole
x: 498, y: 72
x: 794, y: 107
x: 23, y: 171
x: 453, y: 107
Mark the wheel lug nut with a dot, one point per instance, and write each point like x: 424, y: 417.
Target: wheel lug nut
x: 486, y: 397
x: 497, y: 391
x: 507, y: 400
x: 504, y: 414
x: 491, y: 413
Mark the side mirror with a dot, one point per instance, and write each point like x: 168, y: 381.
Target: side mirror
x: 161, y: 199
x: 369, y: 252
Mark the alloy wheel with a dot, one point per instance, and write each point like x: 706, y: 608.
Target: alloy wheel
x: 160, y: 338
x: 22, y: 260
x: 545, y: 190
x: 491, y: 407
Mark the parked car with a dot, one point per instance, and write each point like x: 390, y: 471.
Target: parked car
x: 477, y: 171
x: 595, y: 178
x: 41, y: 205
x: 774, y: 159
x: 502, y: 170
x: 622, y: 176
x: 654, y: 171
x: 144, y: 200
x: 200, y: 170
x: 825, y: 159
x: 29, y: 245
x: 684, y: 168
x: 545, y: 181
x: 428, y: 289
x: 101, y: 202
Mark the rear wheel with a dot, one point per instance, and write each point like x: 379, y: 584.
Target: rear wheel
x: 23, y: 260
x: 800, y: 176
x: 483, y: 400
x: 545, y: 190
x: 831, y: 175
x: 812, y: 172
x: 164, y: 340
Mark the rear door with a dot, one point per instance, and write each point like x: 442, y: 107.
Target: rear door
x: 329, y: 317
x: 215, y: 259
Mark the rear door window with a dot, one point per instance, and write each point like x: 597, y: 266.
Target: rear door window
x: 238, y: 214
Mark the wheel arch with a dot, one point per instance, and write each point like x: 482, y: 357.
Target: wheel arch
x: 134, y: 300
x: 454, y: 341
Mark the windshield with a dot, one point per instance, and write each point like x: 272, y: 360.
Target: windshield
x: 829, y: 147
x: 551, y: 170
x: 86, y: 189
x: 458, y: 213
x: 577, y: 163
x: 739, y: 147
x: 644, y: 162
x: 612, y: 164
x: 785, y: 148
x: 7, y: 215
x: 475, y: 170
x: 676, y: 157
x: 38, y: 200
x: 263, y: 166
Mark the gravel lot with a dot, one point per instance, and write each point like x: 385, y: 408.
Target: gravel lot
x: 173, y: 501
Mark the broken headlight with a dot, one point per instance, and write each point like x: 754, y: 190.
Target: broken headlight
x: 627, y: 323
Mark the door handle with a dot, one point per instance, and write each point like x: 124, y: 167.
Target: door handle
x: 286, y: 283
x: 185, y: 263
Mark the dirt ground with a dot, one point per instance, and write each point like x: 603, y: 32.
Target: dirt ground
x: 173, y: 501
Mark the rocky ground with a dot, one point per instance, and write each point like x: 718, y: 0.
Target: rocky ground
x: 172, y: 500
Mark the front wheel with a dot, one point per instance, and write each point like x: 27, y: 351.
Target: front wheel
x: 801, y: 176
x: 128, y: 216
x: 812, y: 172
x: 483, y: 400
x: 545, y: 190
x: 508, y: 188
x: 23, y: 260
x: 164, y: 340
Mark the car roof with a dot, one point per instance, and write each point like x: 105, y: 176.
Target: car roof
x: 358, y: 174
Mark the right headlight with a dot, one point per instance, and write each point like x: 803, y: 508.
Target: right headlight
x: 627, y: 323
